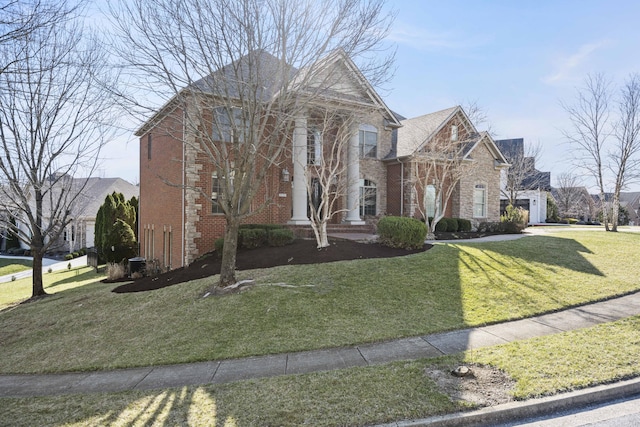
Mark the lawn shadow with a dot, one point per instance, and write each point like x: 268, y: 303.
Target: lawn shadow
x: 189, y: 405
x: 78, y: 277
x: 555, y: 252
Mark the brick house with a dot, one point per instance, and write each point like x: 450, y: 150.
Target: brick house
x: 179, y: 217
x: 476, y: 195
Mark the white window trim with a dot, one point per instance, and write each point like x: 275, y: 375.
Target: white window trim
x: 484, y: 201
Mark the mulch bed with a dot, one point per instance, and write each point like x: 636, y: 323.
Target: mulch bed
x: 299, y: 252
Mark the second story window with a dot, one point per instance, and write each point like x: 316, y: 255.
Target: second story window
x: 368, y: 141
x: 314, y: 147
x: 230, y: 125
x: 454, y: 133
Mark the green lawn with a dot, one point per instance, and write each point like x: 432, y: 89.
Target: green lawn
x: 357, y: 396
x: 13, y: 265
x: 448, y: 287
x: 12, y: 293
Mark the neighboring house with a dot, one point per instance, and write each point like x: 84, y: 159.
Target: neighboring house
x: 574, y: 202
x: 80, y: 233
x: 529, y: 185
x: 631, y: 202
x: 477, y: 194
x: 179, y: 219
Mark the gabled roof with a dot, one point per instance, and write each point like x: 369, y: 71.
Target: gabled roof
x: 485, y: 137
x: 268, y: 73
x: 418, y: 130
x: 91, y: 193
x: 266, y: 82
x: 97, y: 190
x: 337, y: 68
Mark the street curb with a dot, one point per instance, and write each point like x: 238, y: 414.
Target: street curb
x: 530, y: 408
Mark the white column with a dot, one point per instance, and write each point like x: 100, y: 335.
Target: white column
x: 353, y: 180
x: 299, y: 180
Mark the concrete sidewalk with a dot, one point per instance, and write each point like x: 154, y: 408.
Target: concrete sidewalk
x: 216, y: 372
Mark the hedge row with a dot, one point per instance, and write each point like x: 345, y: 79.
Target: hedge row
x: 251, y: 236
x: 76, y: 254
x: 504, y: 227
x: 402, y: 232
x: 453, y: 225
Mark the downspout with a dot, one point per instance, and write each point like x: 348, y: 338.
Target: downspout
x: 184, y: 138
x: 401, y: 186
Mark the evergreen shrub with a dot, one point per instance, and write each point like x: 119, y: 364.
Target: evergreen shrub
x: 280, y: 237
x: 401, y: 232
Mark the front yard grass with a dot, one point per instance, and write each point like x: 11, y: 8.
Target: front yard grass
x: 13, y: 292
x: 338, y: 304
x: 356, y: 396
x: 13, y: 265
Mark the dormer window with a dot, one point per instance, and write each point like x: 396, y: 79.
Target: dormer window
x: 454, y: 133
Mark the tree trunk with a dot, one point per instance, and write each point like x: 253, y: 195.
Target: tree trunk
x: 323, y: 241
x: 228, y: 266
x: 37, y: 284
x: 615, y: 212
x: 603, y: 205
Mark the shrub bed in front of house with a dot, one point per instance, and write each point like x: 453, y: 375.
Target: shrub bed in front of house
x: 452, y: 225
x: 402, y: 232
x: 252, y: 236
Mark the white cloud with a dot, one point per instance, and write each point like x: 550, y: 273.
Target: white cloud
x: 421, y: 39
x: 566, y: 65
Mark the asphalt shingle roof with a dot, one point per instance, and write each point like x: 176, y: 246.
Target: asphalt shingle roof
x: 416, y: 131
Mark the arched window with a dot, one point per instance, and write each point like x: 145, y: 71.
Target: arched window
x: 368, y: 141
x: 230, y: 124
x: 480, y: 201
x: 368, y: 197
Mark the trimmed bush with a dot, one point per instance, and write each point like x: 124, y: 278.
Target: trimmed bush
x: 68, y: 257
x: 251, y: 238
x: 401, y: 232
x: 442, y: 225
x: 452, y: 225
x: 464, y: 225
x: 280, y: 237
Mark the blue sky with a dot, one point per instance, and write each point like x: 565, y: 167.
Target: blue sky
x: 516, y: 59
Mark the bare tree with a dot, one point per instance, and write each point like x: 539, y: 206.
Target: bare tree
x: 624, y: 155
x: 571, y: 195
x: 590, y: 130
x: 53, y: 108
x: 326, y: 169
x: 522, y: 174
x: 437, y: 170
x: 21, y: 18
x: 243, y: 74
x: 478, y: 116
